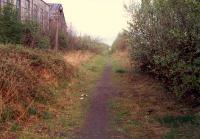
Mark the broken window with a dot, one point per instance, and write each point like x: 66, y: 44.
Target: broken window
x: 35, y: 12
x: 42, y: 17
x: 27, y: 9
x: 18, y: 4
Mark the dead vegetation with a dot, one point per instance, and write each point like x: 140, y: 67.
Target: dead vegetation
x: 29, y: 80
x: 75, y: 58
x: 143, y: 109
x: 69, y: 111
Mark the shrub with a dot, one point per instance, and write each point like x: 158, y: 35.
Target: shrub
x: 164, y: 37
x: 33, y: 37
x: 43, y: 43
x: 10, y: 25
x: 31, y: 33
x: 63, y: 44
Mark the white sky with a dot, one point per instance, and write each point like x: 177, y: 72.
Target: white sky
x: 98, y: 18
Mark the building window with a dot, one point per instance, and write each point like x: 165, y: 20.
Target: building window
x: 18, y: 4
x: 35, y: 12
x: 27, y: 9
x: 42, y: 17
x: 18, y: 7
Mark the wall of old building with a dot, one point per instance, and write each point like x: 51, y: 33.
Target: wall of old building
x: 36, y: 10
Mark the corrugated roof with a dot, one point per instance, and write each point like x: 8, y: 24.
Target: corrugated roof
x: 54, y: 7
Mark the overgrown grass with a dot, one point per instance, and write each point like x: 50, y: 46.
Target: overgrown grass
x: 71, y: 109
x: 177, y: 121
x: 140, y: 100
x: 117, y: 67
x: 182, y: 126
x: 30, y: 80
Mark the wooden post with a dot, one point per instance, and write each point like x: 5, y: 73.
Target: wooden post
x: 57, y: 30
x: 1, y: 105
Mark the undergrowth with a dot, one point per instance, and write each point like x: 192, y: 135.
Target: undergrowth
x: 73, y: 103
x: 29, y: 80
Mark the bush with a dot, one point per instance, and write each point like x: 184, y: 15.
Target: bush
x: 31, y: 33
x: 63, y: 43
x: 43, y: 43
x: 165, y: 41
x: 33, y: 37
x: 10, y: 25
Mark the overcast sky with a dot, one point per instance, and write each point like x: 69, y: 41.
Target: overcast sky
x: 97, y: 18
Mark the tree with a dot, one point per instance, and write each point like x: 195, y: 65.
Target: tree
x: 10, y: 25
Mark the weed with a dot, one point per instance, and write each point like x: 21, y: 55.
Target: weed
x: 15, y: 127
x: 177, y: 121
x: 120, y: 70
x: 46, y: 115
x: 173, y: 134
x: 8, y: 114
x: 32, y: 111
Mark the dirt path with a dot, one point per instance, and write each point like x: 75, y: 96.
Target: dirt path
x: 96, y: 123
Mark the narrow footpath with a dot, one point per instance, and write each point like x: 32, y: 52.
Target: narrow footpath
x: 96, y: 122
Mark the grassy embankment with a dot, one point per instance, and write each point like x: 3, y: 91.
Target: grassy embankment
x: 142, y: 108
x: 72, y: 103
x: 30, y: 82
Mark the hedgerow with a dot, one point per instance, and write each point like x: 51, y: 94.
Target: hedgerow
x: 165, y: 41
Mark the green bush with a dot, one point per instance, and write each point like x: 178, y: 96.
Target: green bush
x: 165, y: 41
x: 43, y: 43
x: 10, y: 25
x: 12, y: 30
x: 62, y: 39
x: 32, y: 36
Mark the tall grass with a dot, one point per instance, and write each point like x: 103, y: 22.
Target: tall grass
x: 29, y: 78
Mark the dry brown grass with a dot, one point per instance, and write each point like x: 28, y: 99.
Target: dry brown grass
x: 69, y: 110
x: 76, y: 58
x: 29, y: 80
x: 123, y: 58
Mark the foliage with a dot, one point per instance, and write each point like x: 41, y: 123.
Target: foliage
x: 63, y: 42
x: 12, y: 30
x: 33, y: 36
x: 121, y: 42
x: 164, y: 37
x: 10, y: 25
x: 43, y: 43
x: 88, y: 43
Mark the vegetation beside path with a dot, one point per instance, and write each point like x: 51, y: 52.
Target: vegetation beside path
x: 72, y: 102
x: 42, y: 94
x: 142, y: 108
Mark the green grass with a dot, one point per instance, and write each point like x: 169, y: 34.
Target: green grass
x: 177, y: 121
x: 117, y: 67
